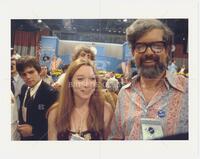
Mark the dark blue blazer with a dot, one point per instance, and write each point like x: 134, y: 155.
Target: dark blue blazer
x: 36, y: 110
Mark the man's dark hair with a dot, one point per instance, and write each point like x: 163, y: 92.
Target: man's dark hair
x: 27, y: 61
x: 141, y: 26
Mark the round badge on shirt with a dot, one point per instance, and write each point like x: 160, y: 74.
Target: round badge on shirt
x: 161, y: 113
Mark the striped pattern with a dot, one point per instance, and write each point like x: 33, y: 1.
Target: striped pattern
x: 172, y: 98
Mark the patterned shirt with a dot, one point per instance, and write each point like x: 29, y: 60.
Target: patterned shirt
x: 170, y: 99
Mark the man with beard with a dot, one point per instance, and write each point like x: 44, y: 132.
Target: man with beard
x: 155, y: 104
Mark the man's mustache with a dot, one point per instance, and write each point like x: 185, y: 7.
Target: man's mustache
x: 149, y: 57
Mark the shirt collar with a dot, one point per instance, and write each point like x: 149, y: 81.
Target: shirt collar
x: 15, y: 77
x: 34, y: 89
x: 133, y: 82
x: 171, y: 80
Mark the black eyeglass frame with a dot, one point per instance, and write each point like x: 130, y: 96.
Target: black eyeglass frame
x: 151, y: 46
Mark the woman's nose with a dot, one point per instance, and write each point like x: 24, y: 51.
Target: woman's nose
x: 86, y: 83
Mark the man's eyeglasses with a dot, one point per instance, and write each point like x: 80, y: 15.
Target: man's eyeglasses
x: 156, y: 47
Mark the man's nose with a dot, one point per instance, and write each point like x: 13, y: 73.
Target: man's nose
x: 27, y: 76
x: 149, y: 51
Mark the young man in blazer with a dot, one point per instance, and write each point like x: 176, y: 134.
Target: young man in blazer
x: 36, y: 98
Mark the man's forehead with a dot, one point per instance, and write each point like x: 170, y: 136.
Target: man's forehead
x: 151, y: 35
x: 29, y: 68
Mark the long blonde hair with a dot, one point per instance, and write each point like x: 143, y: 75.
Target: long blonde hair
x: 65, y: 105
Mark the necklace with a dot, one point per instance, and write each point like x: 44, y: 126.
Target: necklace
x: 82, y: 116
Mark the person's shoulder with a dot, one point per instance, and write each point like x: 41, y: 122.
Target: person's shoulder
x: 108, y: 107
x: 177, y: 78
x: 52, y: 111
x: 48, y: 89
x: 182, y: 79
x: 46, y: 86
x: 24, y: 87
x: 180, y: 82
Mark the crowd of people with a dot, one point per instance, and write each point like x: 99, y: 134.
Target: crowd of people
x: 82, y: 105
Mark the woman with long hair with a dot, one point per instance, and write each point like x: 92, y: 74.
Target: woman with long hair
x: 81, y: 112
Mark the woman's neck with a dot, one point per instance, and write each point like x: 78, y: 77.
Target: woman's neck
x: 79, y: 103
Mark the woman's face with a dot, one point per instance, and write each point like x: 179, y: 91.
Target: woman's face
x: 84, y: 82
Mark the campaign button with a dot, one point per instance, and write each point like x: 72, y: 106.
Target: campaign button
x: 161, y: 113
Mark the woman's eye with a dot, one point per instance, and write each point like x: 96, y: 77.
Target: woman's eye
x: 80, y: 79
x: 92, y: 78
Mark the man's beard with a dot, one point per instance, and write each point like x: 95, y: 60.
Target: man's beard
x: 151, y: 71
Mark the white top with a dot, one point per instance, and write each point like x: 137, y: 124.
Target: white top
x: 18, y: 83
x: 34, y: 89
x: 14, y: 119
x: 14, y: 114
